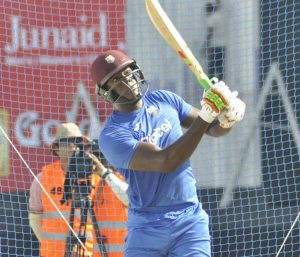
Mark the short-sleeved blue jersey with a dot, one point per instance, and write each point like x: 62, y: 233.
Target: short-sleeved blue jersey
x: 157, y: 122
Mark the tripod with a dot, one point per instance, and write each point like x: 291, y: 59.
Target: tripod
x: 84, y: 204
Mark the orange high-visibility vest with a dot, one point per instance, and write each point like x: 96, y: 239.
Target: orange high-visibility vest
x: 54, y: 228
x: 111, y: 217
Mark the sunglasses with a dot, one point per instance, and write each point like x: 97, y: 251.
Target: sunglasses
x: 68, y: 141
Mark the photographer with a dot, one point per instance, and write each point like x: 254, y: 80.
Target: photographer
x: 107, y: 192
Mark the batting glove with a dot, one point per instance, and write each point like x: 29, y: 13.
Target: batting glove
x: 234, y: 112
x: 214, y: 101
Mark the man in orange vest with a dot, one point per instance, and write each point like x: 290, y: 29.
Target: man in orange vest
x: 49, y: 218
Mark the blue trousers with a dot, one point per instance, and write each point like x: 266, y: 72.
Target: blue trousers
x: 185, y: 236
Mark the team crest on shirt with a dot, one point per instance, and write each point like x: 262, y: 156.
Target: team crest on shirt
x: 152, y: 110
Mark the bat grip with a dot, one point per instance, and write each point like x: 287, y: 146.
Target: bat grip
x: 206, y: 83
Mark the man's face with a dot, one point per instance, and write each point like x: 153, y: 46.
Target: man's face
x: 124, y: 85
x: 65, y: 151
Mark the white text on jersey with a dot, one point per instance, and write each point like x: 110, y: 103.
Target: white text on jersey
x: 158, y: 133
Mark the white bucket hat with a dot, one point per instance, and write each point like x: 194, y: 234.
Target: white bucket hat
x: 67, y: 130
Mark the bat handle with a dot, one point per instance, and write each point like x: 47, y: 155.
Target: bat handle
x: 207, y: 83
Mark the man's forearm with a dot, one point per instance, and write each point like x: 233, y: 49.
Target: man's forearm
x: 183, y: 148
x: 35, y: 221
x: 170, y: 158
x: 215, y: 130
x: 118, y: 186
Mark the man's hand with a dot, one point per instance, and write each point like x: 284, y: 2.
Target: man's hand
x: 99, y: 168
x: 234, y: 112
x: 214, y: 101
x: 118, y: 186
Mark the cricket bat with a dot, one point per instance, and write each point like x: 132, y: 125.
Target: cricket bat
x: 168, y: 31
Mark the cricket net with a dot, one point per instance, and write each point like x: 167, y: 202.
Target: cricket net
x: 248, y: 181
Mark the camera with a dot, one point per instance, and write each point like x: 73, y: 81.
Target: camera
x: 77, y: 191
x: 77, y: 183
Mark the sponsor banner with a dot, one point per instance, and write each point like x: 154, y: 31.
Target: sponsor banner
x: 46, y: 49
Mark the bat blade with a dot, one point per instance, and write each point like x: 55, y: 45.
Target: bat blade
x: 168, y: 31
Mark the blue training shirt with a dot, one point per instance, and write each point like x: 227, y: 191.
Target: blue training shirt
x: 157, y: 122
